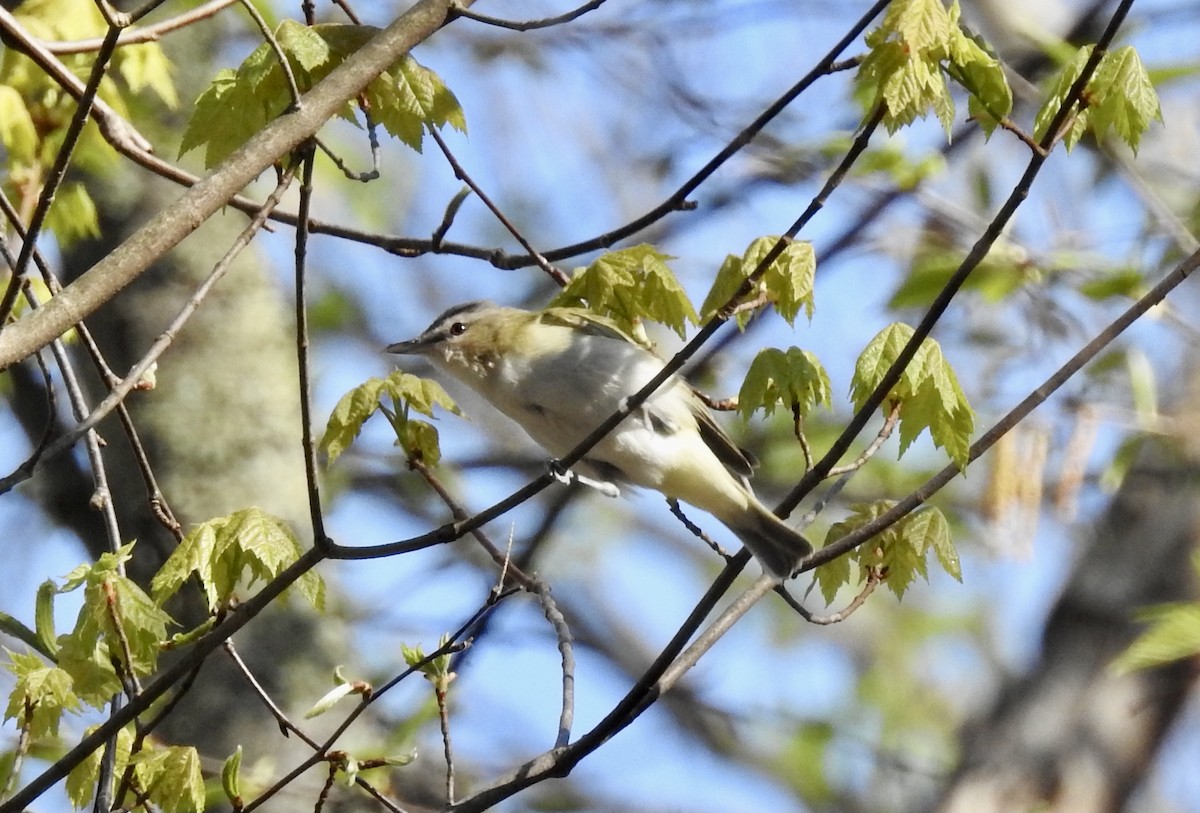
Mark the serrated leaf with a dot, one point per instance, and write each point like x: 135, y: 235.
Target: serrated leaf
x: 1059, y: 89
x: 144, y: 66
x: 1128, y: 101
x: 304, y: 46
x: 348, y: 417
x: 787, y: 282
x: 832, y: 576
x: 404, y: 100
x: 40, y: 697
x: 170, y: 776
x: 73, y: 215
x: 81, y: 781
x: 928, y: 530
x: 193, y: 555
x: 793, y: 378
x: 876, y: 359
x: 421, y: 394
x: 242, y: 548
x: 628, y: 286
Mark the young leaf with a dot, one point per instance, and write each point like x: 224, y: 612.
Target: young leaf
x: 41, y: 694
x: 81, y: 782
x: 793, y: 378
x: 231, y: 778
x: 1128, y: 102
x: 928, y: 392
x: 787, y: 282
x: 1119, y: 96
x: 903, y: 64
x: 832, y: 575
x: 170, y: 777
x: 404, y: 100
x: 226, y: 552
x: 628, y: 286
x: 406, y: 392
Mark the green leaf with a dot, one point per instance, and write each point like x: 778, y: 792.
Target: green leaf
x: 171, y: 777
x: 787, y: 282
x: 793, y: 378
x: 927, y: 530
x: 983, y: 77
x: 1006, y: 269
x: 117, y: 624
x: 1174, y: 634
x: 227, y: 552
x: 1128, y: 101
x: 348, y: 417
x: 81, y: 782
x: 928, y: 392
x: 902, y: 70
x: 17, y: 131
x: 231, y: 778
x: 404, y: 100
x: 144, y: 66
x: 73, y: 215
x: 407, y: 392
x: 329, y: 700
x: 41, y: 694
x: 628, y: 286
x: 835, y: 573
x: 876, y: 359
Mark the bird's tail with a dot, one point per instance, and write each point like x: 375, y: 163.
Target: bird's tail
x: 777, y: 546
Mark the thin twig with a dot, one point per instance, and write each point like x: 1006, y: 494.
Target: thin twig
x: 696, y: 530
x: 58, y: 171
x: 130, y: 36
x: 874, y: 578
x: 308, y: 442
x: 530, y: 25
x: 1017, y: 414
x: 885, y: 431
x: 285, y: 64
x: 460, y: 173
x: 118, y: 393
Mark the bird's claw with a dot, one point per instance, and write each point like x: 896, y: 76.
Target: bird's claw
x: 565, y: 476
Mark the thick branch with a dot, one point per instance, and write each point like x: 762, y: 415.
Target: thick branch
x: 200, y: 202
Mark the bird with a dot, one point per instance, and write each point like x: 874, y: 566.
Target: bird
x: 560, y: 372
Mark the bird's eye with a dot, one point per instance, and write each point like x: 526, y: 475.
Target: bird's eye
x: 458, y: 329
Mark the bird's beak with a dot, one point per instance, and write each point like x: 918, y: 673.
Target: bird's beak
x: 412, y: 347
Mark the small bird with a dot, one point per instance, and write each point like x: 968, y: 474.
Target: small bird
x: 561, y: 372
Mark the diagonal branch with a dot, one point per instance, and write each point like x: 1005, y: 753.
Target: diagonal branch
x: 197, y: 204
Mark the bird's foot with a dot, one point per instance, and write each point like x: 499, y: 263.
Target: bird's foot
x: 565, y: 476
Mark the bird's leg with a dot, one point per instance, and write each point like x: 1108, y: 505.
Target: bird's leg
x: 565, y: 476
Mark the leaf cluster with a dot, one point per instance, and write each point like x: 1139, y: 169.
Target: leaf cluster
x: 234, y: 551
x: 1119, y: 97
x: 404, y: 100
x: 629, y: 286
x: 928, y: 394
x: 786, y: 283
x: 896, y: 555
x: 167, y: 776
x: 35, y: 111
x: 408, y: 393
x: 915, y: 48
